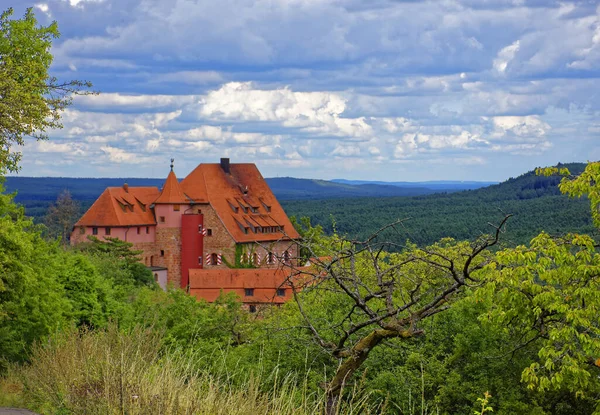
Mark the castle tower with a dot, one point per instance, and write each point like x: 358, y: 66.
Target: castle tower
x: 169, y: 207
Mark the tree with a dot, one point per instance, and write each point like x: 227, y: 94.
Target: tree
x: 32, y: 302
x: 358, y: 295
x: 31, y: 101
x: 61, y: 217
x: 549, y: 292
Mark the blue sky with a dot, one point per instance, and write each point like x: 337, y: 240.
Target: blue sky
x: 376, y: 90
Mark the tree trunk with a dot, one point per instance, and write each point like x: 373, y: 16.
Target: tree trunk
x: 356, y: 356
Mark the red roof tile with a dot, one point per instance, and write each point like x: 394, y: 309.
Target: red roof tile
x: 208, y: 283
x: 171, y: 192
x: 245, y: 189
x: 118, y: 207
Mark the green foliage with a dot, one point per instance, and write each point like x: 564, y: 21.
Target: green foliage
x: 190, y: 323
x: 485, y: 407
x: 587, y: 183
x: 119, y: 260
x: 30, y: 99
x: 550, y: 291
x: 536, y: 203
x: 32, y: 304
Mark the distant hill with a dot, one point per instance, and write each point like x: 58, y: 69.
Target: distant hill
x: 360, y: 209
x: 37, y: 193
x: 289, y: 188
x: 439, y: 185
x: 535, y: 201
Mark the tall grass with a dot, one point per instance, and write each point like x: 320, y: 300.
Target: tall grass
x: 112, y: 372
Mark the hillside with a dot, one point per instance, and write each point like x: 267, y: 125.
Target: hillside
x: 37, y: 193
x: 359, y: 210
x: 439, y: 185
x: 535, y: 202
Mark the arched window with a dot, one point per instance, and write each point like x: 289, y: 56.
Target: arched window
x: 213, y: 259
x: 270, y: 258
x: 152, y: 260
x: 286, y: 257
x: 156, y: 277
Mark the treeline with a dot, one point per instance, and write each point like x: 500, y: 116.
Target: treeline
x: 535, y: 201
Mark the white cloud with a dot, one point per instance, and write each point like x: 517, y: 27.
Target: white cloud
x: 319, y: 113
x: 505, y: 56
x: 528, y: 128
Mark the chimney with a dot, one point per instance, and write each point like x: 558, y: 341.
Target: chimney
x: 225, y: 165
x: 126, y: 187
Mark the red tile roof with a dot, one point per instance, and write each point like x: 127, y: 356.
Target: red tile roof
x: 242, y: 200
x: 171, y: 192
x: 208, y: 283
x: 117, y: 206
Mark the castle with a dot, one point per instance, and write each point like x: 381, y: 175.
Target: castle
x: 219, y: 229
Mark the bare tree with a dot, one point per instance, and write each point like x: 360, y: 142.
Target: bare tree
x: 375, y: 296
x: 61, y: 216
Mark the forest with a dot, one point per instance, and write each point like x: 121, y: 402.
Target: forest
x: 382, y: 322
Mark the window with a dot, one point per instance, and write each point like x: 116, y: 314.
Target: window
x: 81, y: 230
x: 176, y: 208
x: 209, y: 232
x: 286, y: 257
x: 244, y: 258
x: 162, y: 252
x: 249, y: 292
x: 214, y: 259
x: 161, y: 219
x: 138, y: 230
x: 199, y: 211
x: 94, y: 231
x: 281, y: 292
x: 270, y: 258
x: 155, y: 277
x: 107, y: 231
x: 199, y: 260
x: 252, y: 308
x: 255, y: 258
x: 147, y: 229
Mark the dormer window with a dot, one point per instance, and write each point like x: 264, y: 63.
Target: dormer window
x: 262, y: 202
x: 232, y: 206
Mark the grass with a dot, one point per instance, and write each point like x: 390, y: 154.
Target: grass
x: 112, y: 372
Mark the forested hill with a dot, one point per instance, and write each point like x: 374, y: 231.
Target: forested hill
x: 37, y: 193
x: 535, y: 202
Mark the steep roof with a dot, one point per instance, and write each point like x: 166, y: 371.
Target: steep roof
x: 242, y: 200
x: 208, y: 283
x: 171, y: 192
x: 121, y: 206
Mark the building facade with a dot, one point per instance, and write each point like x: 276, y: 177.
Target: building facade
x: 221, y: 217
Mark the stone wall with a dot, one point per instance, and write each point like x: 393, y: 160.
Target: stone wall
x: 168, y: 240
x: 220, y: 241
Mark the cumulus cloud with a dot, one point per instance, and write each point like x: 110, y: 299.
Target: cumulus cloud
x: 310, y: 84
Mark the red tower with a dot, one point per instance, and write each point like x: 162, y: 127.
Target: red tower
x: 192, y: 245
